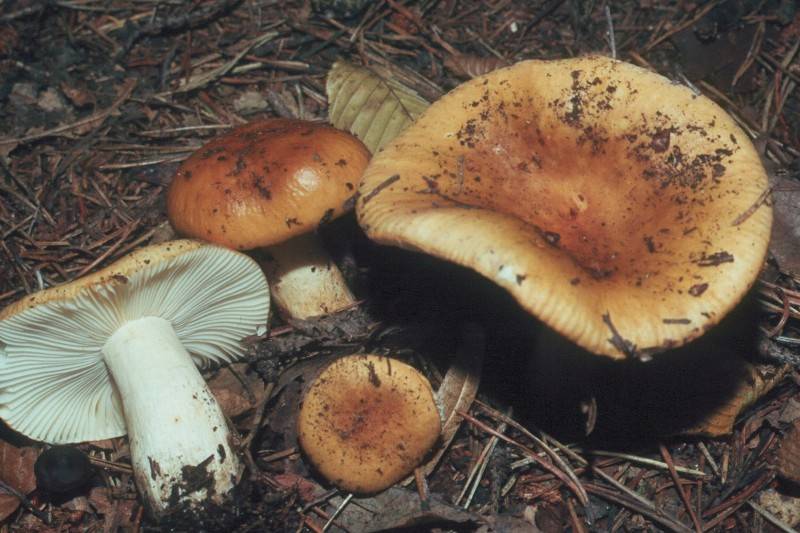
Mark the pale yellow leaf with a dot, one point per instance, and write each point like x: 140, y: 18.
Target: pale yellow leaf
x: 752, y: 383
x: 459, y: 387
x: 371, y: 106
x: 16, y: 470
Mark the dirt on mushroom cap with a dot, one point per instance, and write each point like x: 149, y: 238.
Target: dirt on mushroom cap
x: 607, y: 199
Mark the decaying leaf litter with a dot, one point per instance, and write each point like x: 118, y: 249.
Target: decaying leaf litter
x: 102, y: 101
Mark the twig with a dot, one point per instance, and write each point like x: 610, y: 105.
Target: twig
x: 711, y: 462
x: 577, y: 525
x: 734, y: 503
x: 577, y: 489
x: 24, y: 501
x: 207, y: 77
x: 475, y: 475
x: 645, y: 461
x: 336, y: 513
x: 752, y: 209
x: 423, y: 489
x: 125, y: 234
x: 611, y: 39
x: 541, y: 443
x: 680, y: 27
x: 33, y: 9
x: 548, y: 8
x: 258, y: 416
x: 637, y: 507
x: 110, y: 465
x: 678, y: 487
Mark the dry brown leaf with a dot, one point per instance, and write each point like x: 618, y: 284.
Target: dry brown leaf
x: 790, y: 412
x: 785, y: 240
x: 785, y: 507
x: 78, y: 95
x: 16, y: 469
x: 371, y: 106
x: 306, y: 490
x: 232, y: 395
x: 398, y: 509
x: 788, y: 458
x: 119, y: 514
x: 6, y: 149
x: 753, y: 382
x: 101, y: 500
x: 470, y: 66
x: 9, y: 39
x: 459, y: 387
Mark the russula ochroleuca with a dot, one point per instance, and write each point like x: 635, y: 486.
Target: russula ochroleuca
x: 270, y: 184
x: 118, y: 352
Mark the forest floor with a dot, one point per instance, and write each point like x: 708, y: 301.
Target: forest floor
x: 100, y: 101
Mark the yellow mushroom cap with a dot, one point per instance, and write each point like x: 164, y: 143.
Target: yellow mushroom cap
x: 367, y: 421
x: 265, y: 182
x: 620, y: 208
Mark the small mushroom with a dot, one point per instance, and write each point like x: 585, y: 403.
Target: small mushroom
x: 118, y: 352
x: 620, y: 208
x: 271, y: 184
x: 367, y: 421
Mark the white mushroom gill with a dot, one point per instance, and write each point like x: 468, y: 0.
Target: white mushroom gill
x: 123, y: 356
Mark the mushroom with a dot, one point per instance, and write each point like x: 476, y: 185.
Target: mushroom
x: 623, y: 210
x: 270, y: 184
x: 117, y: 352
x: 367, y: 421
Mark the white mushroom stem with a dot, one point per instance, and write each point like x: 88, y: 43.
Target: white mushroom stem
x: 304, y: 281
x: 178, y: 435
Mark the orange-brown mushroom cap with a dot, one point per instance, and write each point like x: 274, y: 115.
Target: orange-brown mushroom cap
x: 265, y: 182
x: 367, y: 421
x: 620, y: 208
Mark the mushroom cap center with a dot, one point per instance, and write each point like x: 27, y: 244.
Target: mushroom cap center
x: 605, y: 186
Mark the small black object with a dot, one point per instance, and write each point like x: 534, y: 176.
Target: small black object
x: 62, y: 469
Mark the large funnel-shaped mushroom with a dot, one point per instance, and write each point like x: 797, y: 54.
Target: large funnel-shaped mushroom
x: 620, y: 208
x: 117, y: 352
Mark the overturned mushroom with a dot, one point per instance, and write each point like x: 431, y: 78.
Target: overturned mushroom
x: 117, y: 352
x: 367, y: 421
x: 623, y: 210
x: 271, y: 184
